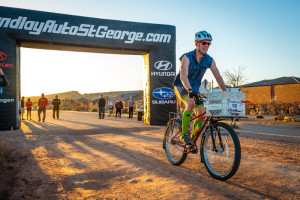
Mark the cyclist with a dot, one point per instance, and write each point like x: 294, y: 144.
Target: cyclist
x: 187, y: 83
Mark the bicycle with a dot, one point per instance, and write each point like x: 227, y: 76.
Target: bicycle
x: 220, y: 148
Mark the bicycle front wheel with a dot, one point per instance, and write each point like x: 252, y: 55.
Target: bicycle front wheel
x: 223, y: 160
x: 174, y: 148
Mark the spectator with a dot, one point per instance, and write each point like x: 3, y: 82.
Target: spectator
x: 43, y: 102
x: 131, y: 104
x: 22, y: 108
x: 3, y: 79
x: 111, y: 107
x: 56, y: 102
x: 119, y: 107
x: 29, y: 107
x: 101, y: 103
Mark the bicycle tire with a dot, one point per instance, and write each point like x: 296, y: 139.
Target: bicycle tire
x: 223, y: 164
x: 176, y: 154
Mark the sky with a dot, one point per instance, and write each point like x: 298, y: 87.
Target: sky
x: 260, y: 35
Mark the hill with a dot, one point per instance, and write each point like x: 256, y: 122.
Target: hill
x: 75, y: 95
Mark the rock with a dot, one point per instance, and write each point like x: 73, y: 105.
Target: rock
x: 127, y: 178
x: 148, y: 180
x: 133, y: 181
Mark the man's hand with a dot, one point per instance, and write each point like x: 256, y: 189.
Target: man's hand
x: 192, y: 93
x: 1, y: 72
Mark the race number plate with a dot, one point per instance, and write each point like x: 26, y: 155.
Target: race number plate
x: 235, y: 106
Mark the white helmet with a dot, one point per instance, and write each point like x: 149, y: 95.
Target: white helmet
x: 202, y: 35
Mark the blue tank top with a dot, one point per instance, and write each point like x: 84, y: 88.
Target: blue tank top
x: 196, y: 70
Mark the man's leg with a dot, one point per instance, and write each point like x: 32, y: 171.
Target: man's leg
x: 22, y: 113
x: 39, y: 113
x: 57, y: 114
x: 131, y: 112
x: 103, y: 112
x: 99, y: 112
x: 182, y: 94
x: 199, y: 109
x: 53, y: 113
x: 44, y: 114
x: 198, y: 122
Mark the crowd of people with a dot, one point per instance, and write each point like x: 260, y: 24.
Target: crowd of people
x: 111, y: 104
x: 42, y: 104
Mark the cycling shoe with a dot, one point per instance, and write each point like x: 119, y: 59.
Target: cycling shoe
x: 186, y: 139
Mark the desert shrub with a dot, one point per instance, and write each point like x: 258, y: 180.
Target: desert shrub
x: 94, y: 109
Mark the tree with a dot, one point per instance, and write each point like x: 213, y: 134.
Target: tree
x: 236, y: 78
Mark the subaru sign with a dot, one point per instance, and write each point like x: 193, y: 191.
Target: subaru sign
x: 163, y: 93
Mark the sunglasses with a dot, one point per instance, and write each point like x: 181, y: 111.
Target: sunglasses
x: 205, y: 43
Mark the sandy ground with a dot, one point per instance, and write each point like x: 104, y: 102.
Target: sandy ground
x: 82, y: 157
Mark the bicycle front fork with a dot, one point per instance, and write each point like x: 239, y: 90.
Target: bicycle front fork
x: 215, y: 132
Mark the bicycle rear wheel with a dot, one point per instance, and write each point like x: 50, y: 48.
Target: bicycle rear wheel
x: 174, y: 148
x: 223, y: 162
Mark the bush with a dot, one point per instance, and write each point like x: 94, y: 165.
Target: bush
x: 94, y: 109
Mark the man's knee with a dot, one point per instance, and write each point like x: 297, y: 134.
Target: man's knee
x: 190, y: 104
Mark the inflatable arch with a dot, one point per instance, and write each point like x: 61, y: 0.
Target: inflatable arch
x: 44, y: 30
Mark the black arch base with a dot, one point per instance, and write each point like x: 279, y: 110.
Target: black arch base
x: 44, y: 30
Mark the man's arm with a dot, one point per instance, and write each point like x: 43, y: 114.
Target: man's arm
x: 184, y: 72
x: 217, y: 75
x: 5, y: 80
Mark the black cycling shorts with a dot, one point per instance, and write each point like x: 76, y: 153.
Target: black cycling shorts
x: 182, y: 93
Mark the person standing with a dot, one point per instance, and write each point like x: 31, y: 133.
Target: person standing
x: 101, y: 103
x: 131, y: 104
x: 111, y: 107
x: 28, y: 107
x: 22, y: 108
x: 119, y: 107
x: 3, y: 79
x: 43, y: 102
x: 56, y: 102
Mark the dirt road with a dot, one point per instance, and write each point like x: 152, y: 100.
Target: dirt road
x: 83, y: 157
